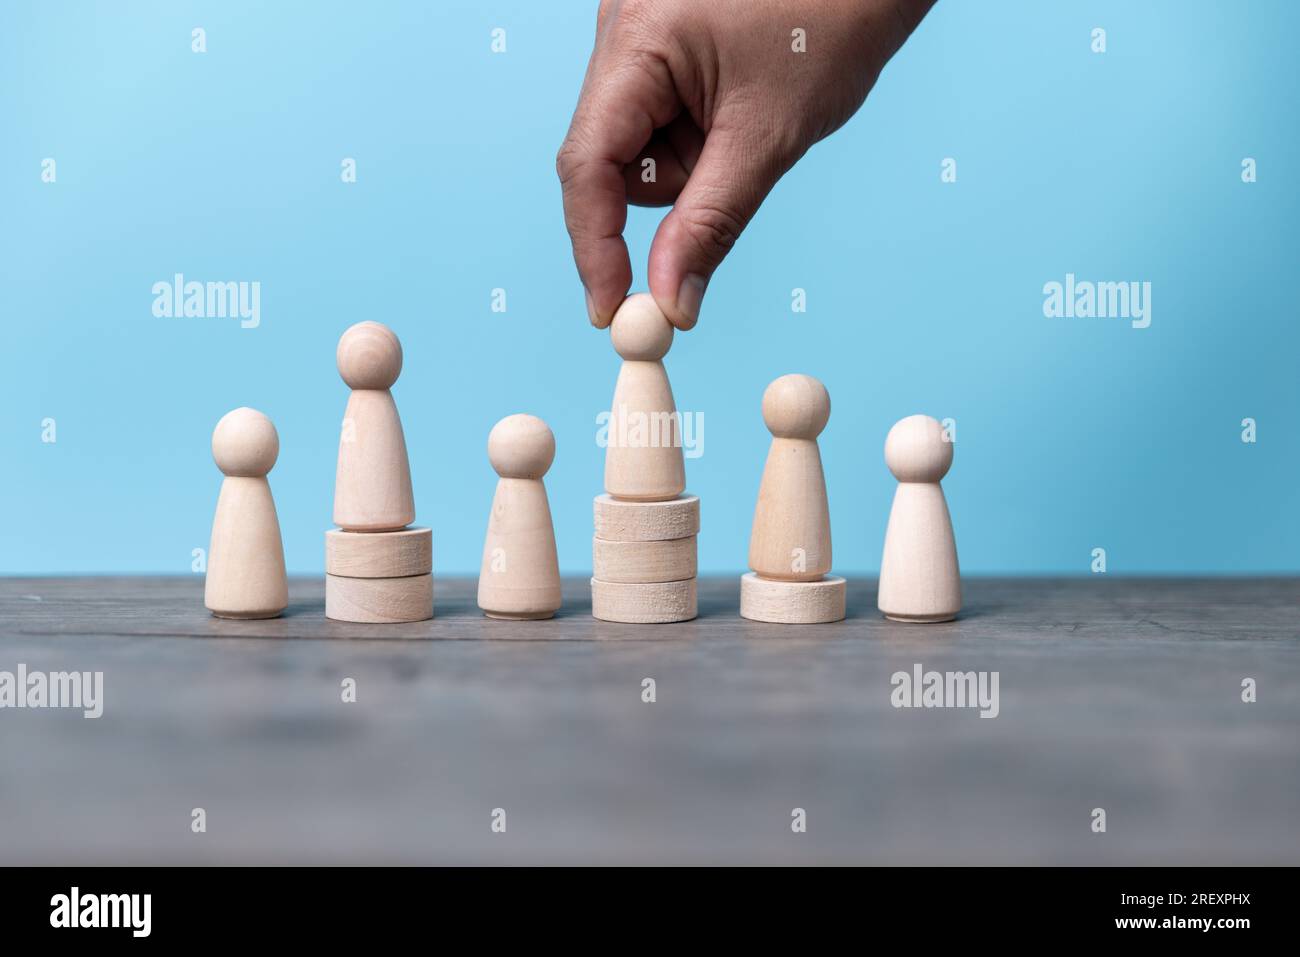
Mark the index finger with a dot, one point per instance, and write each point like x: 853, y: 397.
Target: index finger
x: 625, y: 97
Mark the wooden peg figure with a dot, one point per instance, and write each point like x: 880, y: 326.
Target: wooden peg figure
x: 245, y: 577
x: 791, y: 539
x: 790, y: 546
x: 372, y: 488
x: 919, y: 577
x: 520, y: 574
x: 643, y: 457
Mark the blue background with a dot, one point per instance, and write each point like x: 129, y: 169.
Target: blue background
x: 922, y: 296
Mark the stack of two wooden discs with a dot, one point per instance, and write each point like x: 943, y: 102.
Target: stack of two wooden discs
x: 379, y: 576
x: 644, y: 560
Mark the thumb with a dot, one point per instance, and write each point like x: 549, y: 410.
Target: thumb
x: 732, y: 177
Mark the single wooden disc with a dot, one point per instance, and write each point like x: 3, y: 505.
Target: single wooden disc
x: 382, y: 600
x: 379, y: 554
x: 672, y: 560
x: 618, y: 520
x: 792, y: 603
x: 643, y: 604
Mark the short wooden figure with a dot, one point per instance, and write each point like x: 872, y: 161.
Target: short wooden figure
x: 520, y: 574
x: 245, y: 576
x: 919, y: 577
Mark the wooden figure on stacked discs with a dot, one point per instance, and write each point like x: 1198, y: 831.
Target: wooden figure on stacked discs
x: 377, y: 568
x: 644, y: 549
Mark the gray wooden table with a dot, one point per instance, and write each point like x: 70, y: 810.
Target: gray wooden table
x: 1120, y: 694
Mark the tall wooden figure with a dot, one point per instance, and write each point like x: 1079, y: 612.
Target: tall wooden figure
x: 372, y: 489
x: 245, y: 577
x: 376, y: 569
x: 919, y: 577
x: 790, y: 546
x: 643, y: 458
x: 520, y: 575
x: 643, y: 555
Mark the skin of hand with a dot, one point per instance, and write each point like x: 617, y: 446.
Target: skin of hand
x: 715, y: 92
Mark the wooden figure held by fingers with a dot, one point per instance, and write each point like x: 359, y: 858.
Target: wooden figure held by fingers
x: 919, y: 577
x: 372, y: 489
x: 520, y: 574
x: 643, y: 457
x: 245, y: 577
x: 644, y: 550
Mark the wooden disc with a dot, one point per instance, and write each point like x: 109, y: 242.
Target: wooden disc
x: 643, y: 604
x: 671, y: 560
x: 383, y: 600
x: 379, y: 554
x: 622, y: 521
x: 792, y: 603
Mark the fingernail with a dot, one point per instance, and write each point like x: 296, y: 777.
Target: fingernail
x: 689, y: 296
x: 591, y: 308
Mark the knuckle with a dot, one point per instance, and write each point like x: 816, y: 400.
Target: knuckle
x: 714, y: 228
x: 602, y: 12
x: 641, y: 21
x: 635, y: 9
x: 567, y: 161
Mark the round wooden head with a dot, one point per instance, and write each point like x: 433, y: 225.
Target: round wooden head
x: 369, y: 356
x: 639, y: 331
x: 521, y: 446
x: 796, y: 407
x: 916, y: 451
x: 245, y: 443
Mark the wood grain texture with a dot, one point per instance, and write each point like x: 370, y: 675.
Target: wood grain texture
x: 520, y: 572
x: 644, y: 603
x: 670, y: 560
x: 246, y: 577
x: 620, y: 521
x: 1120, y: 693
x: 792, y: 603
x: 372, y: 487
x: 408, y: 551
x: 379, y: 600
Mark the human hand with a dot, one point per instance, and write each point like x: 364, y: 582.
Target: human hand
x: 717, y: 94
